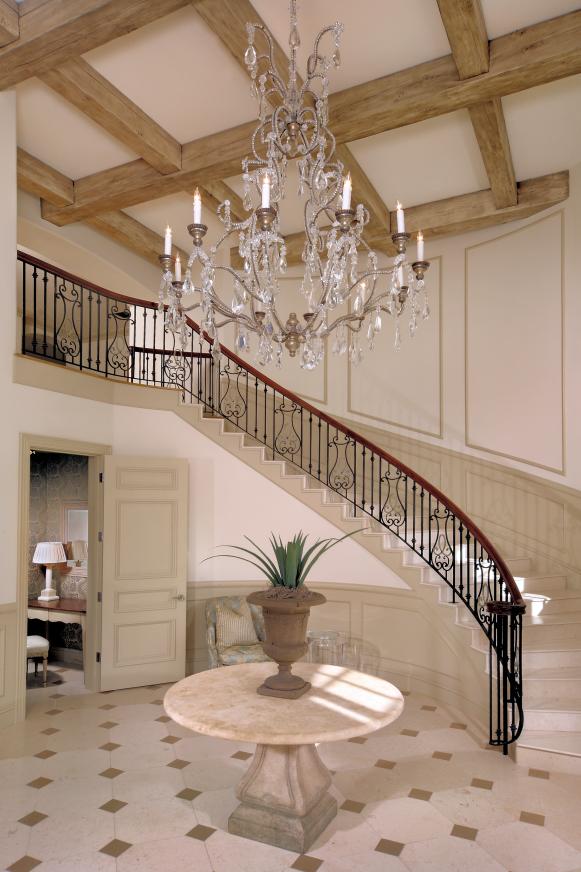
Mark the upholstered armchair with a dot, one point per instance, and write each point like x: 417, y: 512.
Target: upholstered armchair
x: 234, y: 632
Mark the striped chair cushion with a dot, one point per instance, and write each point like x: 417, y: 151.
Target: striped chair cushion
x: 234, y: 626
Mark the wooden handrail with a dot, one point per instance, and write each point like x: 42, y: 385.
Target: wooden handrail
x: 467, y: 522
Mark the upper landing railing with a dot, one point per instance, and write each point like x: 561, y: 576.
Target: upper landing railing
x: 75, y: 323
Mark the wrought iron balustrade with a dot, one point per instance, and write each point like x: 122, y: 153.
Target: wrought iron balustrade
x: 77, y: 324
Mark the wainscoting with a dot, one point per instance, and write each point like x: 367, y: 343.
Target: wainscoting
x: 408, y: 640
x: 7, y: 665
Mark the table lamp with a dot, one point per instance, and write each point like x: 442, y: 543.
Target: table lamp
x: 49, y: 554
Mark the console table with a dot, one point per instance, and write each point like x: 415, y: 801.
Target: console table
x: 284, y: 797
x: 65, y: 611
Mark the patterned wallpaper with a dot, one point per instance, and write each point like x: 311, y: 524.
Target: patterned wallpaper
x: 55, y: 479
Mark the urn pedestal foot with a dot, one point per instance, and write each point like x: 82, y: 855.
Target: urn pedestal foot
x: 284, y: 798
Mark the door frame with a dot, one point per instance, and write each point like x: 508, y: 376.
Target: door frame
x: 94, y: 451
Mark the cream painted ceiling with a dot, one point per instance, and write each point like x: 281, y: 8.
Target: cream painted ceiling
x: 181, y: 75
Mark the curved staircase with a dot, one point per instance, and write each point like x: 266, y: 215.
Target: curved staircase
x: 404, y: 521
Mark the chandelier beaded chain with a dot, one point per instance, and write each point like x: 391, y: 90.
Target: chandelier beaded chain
x: 347, y: 292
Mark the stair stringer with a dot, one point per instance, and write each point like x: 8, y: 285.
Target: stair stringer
x: 469, y: 693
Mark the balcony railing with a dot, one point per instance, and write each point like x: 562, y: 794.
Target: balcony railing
x: 75, y: 323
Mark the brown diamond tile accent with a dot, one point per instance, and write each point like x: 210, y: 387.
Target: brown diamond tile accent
x: 108, y: 725
x: 25, y: 864
x: 188, y: 793
x: 111, y: 772
x: 539, y: 773
x: 32, y: 819
x: 109, y: 746
x: 50, y: 731
x: 44, y: 755
x: 107, y: 707
x: 115, y: 848
x: 38, y: 783
x: 163, y: 719
x: 56, y: 696
x: 241, y: 755
x: 385, y: 764
x: 482, y: 783
x: 441, y: 755
x: 179, y: 764
x: 54, y: 711
x: 406, y: 693
x: 418, y: 793
x: 201, y: 832
x: 458, y: 726
x: 353, y: 805
x: 171, y: 740
x: 530, y: 817
x: 412, y: 733
x: 462, y: 832
x: 114, y: 805
x: 358, y: 740
x: 305, y: 863
x: 429, y: 708
x: 157, y: 702
x: 386, y: 846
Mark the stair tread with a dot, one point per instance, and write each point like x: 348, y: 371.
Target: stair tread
x: 557, y: 595
x: 554, y: 672
x: 551, y: 644
x: 554, y: 619
x: 555, y: 705
x: 564, y: 742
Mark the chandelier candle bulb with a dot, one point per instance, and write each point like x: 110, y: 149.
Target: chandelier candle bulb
x: 197, y: 207
x: 400, y: 276
x: 167, y: 241
x: 266, y: 191
x: 420, y: 246
x: 400, y: 218
x: 347, y: 188
x: 178, y: 269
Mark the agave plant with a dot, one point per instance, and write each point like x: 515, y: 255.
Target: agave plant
x: 293, y: 562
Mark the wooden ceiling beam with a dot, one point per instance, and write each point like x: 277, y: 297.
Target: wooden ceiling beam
x: 81, y: 84
x: 478, y: 210
x: 53, y: 32
x: 464, y: 23
x: 528, y: 57
x: 217, y: 192
x: 541, y: 53
x: 133, y: 235
x: 39, y: 179
x: 227, y: 19
x: 9, y: 22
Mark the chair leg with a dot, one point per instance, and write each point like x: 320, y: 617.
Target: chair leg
x: 35, y: 668
x: 45, y: 669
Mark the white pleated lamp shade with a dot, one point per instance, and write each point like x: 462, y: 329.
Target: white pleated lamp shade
x: 47, y: 553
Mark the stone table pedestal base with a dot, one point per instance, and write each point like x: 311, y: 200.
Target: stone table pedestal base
x: 284, y: 798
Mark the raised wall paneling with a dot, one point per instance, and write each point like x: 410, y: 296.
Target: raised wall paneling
x: 514, y: 345
x: 146, y: 480
x: 2, y: 660
x: 525, y: 513
x: 334, y: 613
x: 403, y: 388
x: 145, y: 600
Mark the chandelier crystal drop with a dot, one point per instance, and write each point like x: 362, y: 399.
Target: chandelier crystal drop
x: 347, y: 292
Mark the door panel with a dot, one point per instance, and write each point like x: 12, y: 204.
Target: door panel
x: 144, y: 571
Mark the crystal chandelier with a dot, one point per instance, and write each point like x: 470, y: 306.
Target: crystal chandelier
x: 347, y: 292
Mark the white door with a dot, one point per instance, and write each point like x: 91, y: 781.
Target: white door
x: 145, y: 549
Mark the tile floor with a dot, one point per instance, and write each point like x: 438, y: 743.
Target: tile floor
x: 108, y: 782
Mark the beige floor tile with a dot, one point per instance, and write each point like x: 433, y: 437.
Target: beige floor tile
x: 160, y: 818
x: 524, y: 847
x: 450, y: 854
x: 214, y: 807
x: 472, y: 807
x: 180, y: 853
x: 64, y: 835
x: 140, y: 785
x: 407, y: 820
x: 227, y: 852
x: 95, y: 862
x: 13, y: 842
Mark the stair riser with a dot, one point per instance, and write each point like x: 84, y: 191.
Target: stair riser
x: 561, y: 721
x: 556, y: 607
x: 551, y: 633
x: 536, y: 758
x: 543, y: 584
x: 539, y: 689
x: 550, y: 659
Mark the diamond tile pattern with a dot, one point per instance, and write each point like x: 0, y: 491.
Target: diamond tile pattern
x: 108, y: 725
x: 44, y: 755
x: 420, y: 799
x: 171, y: 740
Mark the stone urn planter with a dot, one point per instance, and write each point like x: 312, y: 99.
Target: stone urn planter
x: 286, y: 616
x: 286, y: 604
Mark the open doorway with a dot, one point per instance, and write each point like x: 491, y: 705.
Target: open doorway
x: 59, y: 569
x: 58, y: 551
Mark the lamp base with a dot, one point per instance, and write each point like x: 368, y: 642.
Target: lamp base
x: 47, y: 595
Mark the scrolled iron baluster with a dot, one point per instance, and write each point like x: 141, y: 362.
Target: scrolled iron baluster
x: 68, y: 340
x: 118, y: 356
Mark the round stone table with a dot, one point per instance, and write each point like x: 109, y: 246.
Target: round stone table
x: 284, y: 797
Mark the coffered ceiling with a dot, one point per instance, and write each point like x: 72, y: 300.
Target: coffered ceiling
x: 124, y: 108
